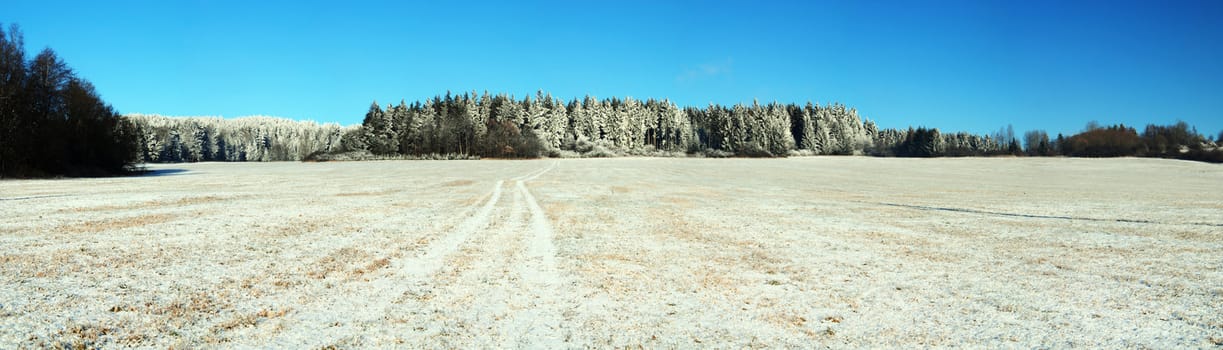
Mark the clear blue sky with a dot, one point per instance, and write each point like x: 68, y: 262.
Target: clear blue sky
x: 973, y: 65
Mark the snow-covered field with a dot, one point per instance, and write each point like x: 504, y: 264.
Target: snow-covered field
x: 659, y: 253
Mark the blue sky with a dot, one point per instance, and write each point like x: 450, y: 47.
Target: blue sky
x: 973, y: 65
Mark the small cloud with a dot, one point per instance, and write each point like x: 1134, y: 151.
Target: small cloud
x: 706, y: 70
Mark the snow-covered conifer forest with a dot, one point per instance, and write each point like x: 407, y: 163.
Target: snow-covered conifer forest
x: 258, y: 138
x: 502, y: 126
x: 473, y: 125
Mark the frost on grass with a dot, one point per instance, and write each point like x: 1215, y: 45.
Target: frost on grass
x: 657, y: 253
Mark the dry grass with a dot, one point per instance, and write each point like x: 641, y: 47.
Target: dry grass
x: 250, y: 320
x: 686, y: 253
x: 457, y: 183
x: 115, y: 224
x: 154, y: 204
x: 361, y: 194
x: 372, y: 266
x: 339, y: 264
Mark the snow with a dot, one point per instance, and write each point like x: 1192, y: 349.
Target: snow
x: 624, y: 252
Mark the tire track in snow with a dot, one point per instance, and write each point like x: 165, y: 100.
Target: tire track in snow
x: 1037, y: 216
x: 491, y: 283
x: 345, y: 315
x: 433, y: 258
x: 342, y: 315
x: 540, y: 325
x: 478, y: 288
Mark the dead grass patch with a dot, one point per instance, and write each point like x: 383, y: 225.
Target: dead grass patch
x: 250, y: 320
x: 673, y: 224
x: 470, y: 201
x: 372, y: 266
x: 148, y: 204
x: 791, y: 321
x: 681, y: 202
x: 717, y: 281
x: 115, y: 224
x: 299, y: 227
x: 82, y: 336
x: 201, y: 303
x: 359, y: 194
x: 457, y: 183
x: 557, y: 210
x: 611, y: 272
x: 198, y: 200
x: 339, y: 261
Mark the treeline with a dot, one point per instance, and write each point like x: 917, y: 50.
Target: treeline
x: 53, y: 122
x: 199, y: 139
x: 475, y: 125
x: 503, y: 126
x: 1179, y: 141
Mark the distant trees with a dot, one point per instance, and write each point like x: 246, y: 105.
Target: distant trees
x: 1113, y: 141
x: 486, y: 125
x: 381, y: 134
x: 1036, y: 143
x: 1166, y: 141
x: 198, y: 139
x: 756, y: 130
x: 500, y: 125
x: 920, y: 142
x: 472, y: 125
x: 53, y: 122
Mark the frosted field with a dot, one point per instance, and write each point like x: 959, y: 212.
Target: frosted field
x: 660, y: 253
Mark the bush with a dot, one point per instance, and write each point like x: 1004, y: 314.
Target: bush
x: 594, y: 149
x: 1202, y: 155
x: 1115, y: 141
x: 366, y: 155
x: 753, y: 150
x: 800, y: 153
x: 716, y: 153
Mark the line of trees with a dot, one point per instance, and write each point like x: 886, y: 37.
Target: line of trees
x: 197, y: 139
x: 503, y: 126
x: 475, y: 125
x: 1179, y: 141
x: 53, y: 122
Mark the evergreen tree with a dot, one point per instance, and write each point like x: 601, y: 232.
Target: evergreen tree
x: 379, y: 132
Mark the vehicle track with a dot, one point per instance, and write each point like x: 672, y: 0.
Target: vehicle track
x: 541, y: 324
x: 367, y: 302
x: 374, y: 301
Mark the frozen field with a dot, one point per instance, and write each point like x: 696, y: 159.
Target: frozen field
x: 659, y: 253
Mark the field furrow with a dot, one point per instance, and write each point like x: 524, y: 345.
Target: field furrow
x: 619, y: 253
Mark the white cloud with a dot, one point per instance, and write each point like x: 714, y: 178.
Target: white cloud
x: 706, y: 70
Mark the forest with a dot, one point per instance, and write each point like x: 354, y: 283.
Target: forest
x: 475, y: 125
x: 215, y: 139
x: 53, y: 123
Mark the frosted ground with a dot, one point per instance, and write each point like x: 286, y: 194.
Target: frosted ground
x: 661, y: 253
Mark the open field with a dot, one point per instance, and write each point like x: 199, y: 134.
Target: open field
x: 660, y: 253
